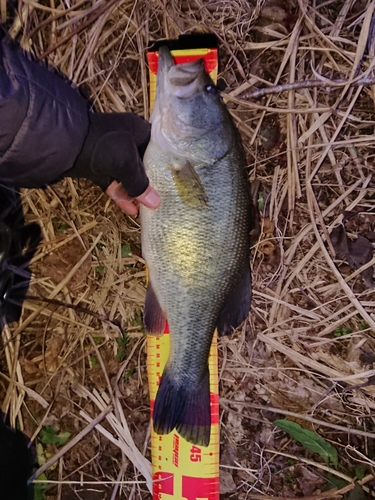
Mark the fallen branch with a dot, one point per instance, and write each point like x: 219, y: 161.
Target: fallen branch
x: 77, y: 308
x: 307, y: 84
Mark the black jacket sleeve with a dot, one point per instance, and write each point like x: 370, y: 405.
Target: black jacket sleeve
x: 43, y: 121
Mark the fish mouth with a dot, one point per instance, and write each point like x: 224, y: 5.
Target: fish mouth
x: 182, y: 80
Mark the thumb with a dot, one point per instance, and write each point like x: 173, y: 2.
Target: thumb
x: 150, y: 198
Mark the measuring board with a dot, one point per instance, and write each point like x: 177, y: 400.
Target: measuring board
x: 180, y: 470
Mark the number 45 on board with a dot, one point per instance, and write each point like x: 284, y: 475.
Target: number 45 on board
x: 195, y: 454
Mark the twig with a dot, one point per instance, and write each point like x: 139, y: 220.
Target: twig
x: 341, y: 428
x: 71, y: 443
x: 307, y: 84
x: 57, y: 288
x: 314, y: 464
x: 77, y: 308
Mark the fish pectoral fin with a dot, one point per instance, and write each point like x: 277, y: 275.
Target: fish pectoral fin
x: 237, y: 305
x: 189, y: 186
x: 153, y: 317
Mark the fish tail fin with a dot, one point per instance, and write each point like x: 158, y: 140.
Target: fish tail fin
x: 185, y: 408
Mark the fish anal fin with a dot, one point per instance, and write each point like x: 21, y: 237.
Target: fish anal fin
x: 237, y: 305
x: 153, y: 316
x: 186, y: 408
x: 188, y: 184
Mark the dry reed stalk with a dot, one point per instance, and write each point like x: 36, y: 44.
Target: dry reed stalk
x: 67, y: 366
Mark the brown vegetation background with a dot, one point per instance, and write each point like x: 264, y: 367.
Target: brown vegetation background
x: 76, y: 362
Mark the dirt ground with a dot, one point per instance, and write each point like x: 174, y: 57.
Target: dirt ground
x: 306, y: 353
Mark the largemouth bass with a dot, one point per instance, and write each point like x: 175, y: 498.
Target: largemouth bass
x: 196, y: 244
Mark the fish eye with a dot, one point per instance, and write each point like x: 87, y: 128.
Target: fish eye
x: 211, y: 89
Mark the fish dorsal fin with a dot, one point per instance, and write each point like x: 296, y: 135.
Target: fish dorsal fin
x: 189, y: 186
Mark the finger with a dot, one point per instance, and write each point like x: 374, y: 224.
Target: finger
x: 118, y: 194
x: 127, y: 206
x: 150, y: 198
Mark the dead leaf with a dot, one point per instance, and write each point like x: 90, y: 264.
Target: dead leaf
x: 51, y: 358
x: 234, y: 423
x: 268, y: 227
x: 54, y: 346
x: 274, y: 13
x: 266, y: 248
x: 357, y: 493
x: 360, y: 250
x: 29, y: 366
x: 308, y: 481
x: 227, y: 484
x: 357, y: 252
x: 339, y: 241
x: 266, y: 436
x: 58, y: 264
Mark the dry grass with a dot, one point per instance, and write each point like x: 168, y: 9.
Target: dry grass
x: 307, y: 349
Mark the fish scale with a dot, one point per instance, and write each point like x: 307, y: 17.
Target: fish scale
x: 196, y: 244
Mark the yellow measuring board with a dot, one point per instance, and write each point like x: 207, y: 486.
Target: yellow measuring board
x: 182, y: 471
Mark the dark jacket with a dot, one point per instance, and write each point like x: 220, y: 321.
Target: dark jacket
x: 43, y: 121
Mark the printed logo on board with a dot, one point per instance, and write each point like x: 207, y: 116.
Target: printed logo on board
x: 176, y: 447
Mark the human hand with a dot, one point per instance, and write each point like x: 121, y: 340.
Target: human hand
x: 150, y: 198
x: 111, y: 158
